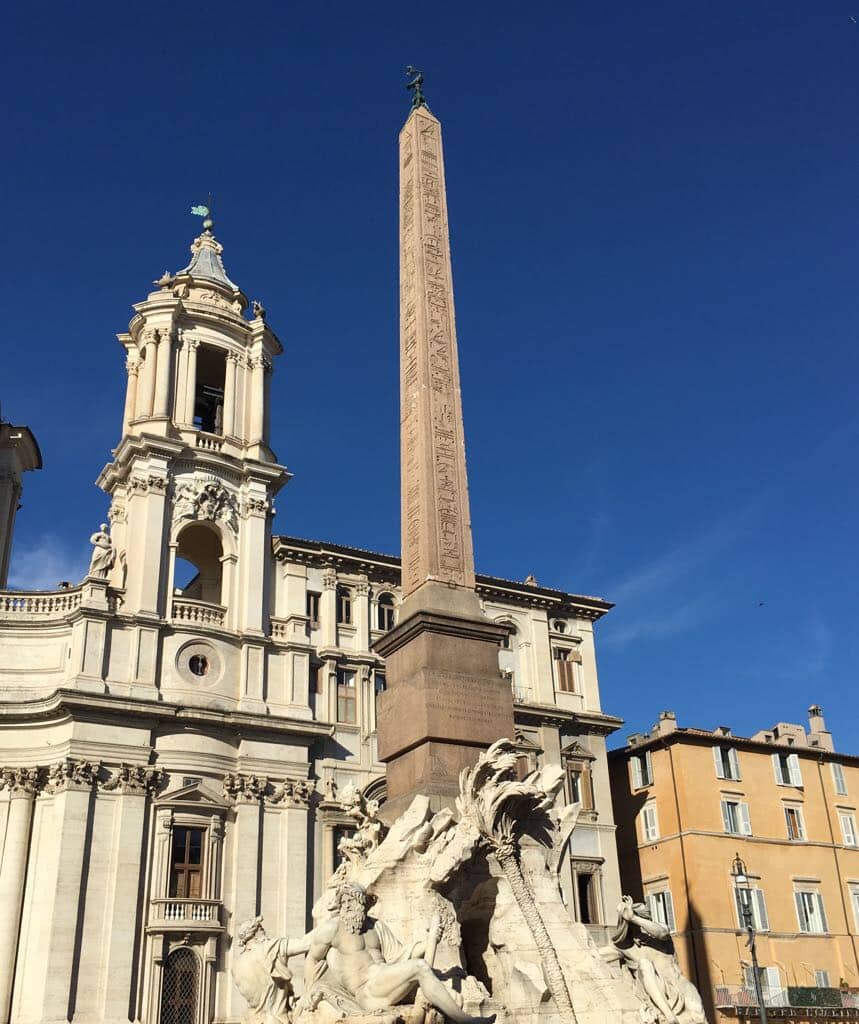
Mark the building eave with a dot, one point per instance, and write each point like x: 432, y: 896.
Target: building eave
x: 700, y: 737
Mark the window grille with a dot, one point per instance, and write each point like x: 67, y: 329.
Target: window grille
x: 180, y: 987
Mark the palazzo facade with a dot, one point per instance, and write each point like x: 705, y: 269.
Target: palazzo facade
x: 183, y: 732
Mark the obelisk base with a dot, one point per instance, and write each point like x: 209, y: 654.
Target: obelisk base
x: 446, y: 701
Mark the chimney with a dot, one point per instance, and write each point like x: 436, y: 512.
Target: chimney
x: 818, y: 734
x: 667, y: 723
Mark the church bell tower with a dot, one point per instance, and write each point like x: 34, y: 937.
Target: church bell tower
x: 193, y: 478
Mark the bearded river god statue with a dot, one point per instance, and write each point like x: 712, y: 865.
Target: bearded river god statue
x: 456, y: 915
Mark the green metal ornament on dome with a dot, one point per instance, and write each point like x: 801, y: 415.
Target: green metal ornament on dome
x: 206, y: 213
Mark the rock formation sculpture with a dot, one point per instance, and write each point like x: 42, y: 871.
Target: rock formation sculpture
x: 500, y: 940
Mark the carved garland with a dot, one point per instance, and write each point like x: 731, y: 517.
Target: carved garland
x: 253, y: 788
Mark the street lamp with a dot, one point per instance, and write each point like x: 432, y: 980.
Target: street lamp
x: 741, y: 881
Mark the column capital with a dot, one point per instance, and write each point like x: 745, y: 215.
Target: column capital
x: 71, y: 774
x: 245, y: 788
x: 20, y: 781
x: 291, y: 793
x: 134, y: 779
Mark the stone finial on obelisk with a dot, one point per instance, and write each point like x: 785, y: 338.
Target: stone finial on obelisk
x: 446, y: 699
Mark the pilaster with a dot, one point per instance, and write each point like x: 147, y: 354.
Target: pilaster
x: 20, y: 785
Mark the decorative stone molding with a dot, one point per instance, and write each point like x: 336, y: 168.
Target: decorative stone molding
x: 117, y: 513
x: 143, y: 484
x: 291, y: 792
x: 245, y: 788
x: 136, y: 779
x: 362, y: 588
x: 19, y: 780
x: 205, y: 498
x: 73, y: 774
x: 329, y: 579
x: 255, y: 506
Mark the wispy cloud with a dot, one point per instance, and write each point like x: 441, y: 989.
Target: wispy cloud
x: 41, y: 565
x: 670, y: 621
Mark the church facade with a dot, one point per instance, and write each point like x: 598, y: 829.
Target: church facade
x: 184, y: 733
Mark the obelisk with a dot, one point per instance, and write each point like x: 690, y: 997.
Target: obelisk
x: 446, y: 699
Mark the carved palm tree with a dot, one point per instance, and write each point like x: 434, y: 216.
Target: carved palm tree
x: 502, y: 808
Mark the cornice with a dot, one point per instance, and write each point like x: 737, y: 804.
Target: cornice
x: 73, y: 704
x: 594, y: 722
x: 702, y: 738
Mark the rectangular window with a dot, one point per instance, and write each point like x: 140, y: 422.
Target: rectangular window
x: 838, y: 779
x: 735, y: 816
x: 649, y: 823
x: 809, y: 912
x: 346, y: 700
x: 787, y: 770
x: 565, y: 662
x: 344, y: 606
x: 727, y: 763
x: 579, y: 780
x: 821, y: 979
x: 209, y: 390
x: 854, y: 901
x: 642, y: 770
x: 312, y: 608
x: 770, y: 981
x: 379, y: 682
x: 661, y: 907
x: 186, y: 864
x: 795, y: 822
x: 753, y: 899
x: 848, y: 828
x: 386, y: 613
x: 586, y: 890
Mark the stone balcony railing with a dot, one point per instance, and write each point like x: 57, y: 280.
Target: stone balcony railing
x: 38, y: 604
x: 194, y: 914
x: 210, y: 442
x: 197, y: 613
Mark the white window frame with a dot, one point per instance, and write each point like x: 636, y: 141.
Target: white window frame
x: 733, y: 763
x: 817, y: 908
x: 853, y: 889
x: 838, y: 779
x: 793, y: 769
x: 800, y: 817
x: 821, y: 979
x: 848, y: 834
x: 641, y: 768
x: 649, y: 832
x: 744, y: 823
x: 758, y: 903
x: 660, y: 903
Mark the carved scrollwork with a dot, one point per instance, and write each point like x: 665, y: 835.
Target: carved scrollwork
x: 73, y: 774
x: 245, y: 788
x: 137, y: 779
x: 329, y: 579
x: 204, y: 498
x: 291, y: 792
x: 20, y: 780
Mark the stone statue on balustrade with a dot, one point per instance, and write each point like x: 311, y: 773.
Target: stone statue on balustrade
x: 262, y: 975
x: 104, y: 553
x: 643, y: 949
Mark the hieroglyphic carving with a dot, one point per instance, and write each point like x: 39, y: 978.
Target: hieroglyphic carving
x: 435, y: 519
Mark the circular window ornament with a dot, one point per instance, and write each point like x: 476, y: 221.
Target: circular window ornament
x: 199, y: 664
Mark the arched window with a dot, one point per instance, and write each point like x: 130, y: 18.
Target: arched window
x: 198, y: 571
x: 386, y: 612
x: 209, y: 390
x: 180, y: 988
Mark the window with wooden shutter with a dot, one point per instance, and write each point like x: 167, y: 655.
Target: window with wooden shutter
x: 809, y: 912
x: 649, y: 823
x: 566, y: 662
x: 661, y: 907
x: 795, y: 822
x: 848, y: 827
x: 838, y: 779
x: 186, y: 863
x: 346, y: 697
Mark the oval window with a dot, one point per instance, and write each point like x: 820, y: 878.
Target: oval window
x: 198, y: 664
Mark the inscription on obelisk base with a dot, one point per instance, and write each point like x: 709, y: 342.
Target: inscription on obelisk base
x: 446, y: 699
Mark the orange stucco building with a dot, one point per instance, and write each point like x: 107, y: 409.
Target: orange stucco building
x: 687, y: 801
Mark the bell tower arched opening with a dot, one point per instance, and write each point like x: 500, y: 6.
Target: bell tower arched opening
x: 199, y: 548
x: 209, y: 390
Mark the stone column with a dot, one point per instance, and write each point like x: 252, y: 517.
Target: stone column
x: 123, y: 913
x: 247, y: 791
x: 162, y: 376
x: 71, y: 782
x: 180, y: 402
x: 266, y: 400
x: 257, y: 400
x: 146, y: 390
x: 133, y: 368
x: 21, y: 785
x: 328, y: 608
x: 10, y: 494
x: 229, y: 427
x: 191, y: 380
x: 361, y: 616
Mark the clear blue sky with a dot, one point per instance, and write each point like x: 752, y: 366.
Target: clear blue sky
x: 654, y: 225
